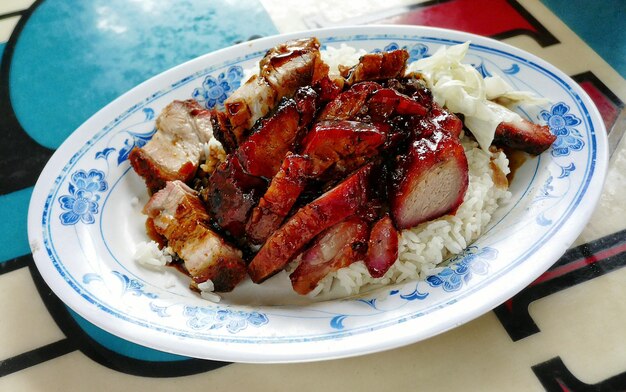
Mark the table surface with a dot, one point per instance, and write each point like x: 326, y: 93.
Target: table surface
x: 62, y: 61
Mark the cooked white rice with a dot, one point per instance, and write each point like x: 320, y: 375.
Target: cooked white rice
x: 148, y: 254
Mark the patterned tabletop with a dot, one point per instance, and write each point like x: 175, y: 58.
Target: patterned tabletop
x: 62, y: 61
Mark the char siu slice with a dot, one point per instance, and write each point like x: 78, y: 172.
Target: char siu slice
x: 280, y: 196
x: 178, y: 214
x: 382, y: 249
x: 349, y: 103
x: 429, y: 181
x: 174, y: 151
x: 524, y: 135
x: 231, y: 195
x: 262, y: 154
x: 344, y: 145
x: 378, y: 66
x: 386, y: 102
x: 329, y: 209
x: 282, y: 70
x: 444, y: 120
x: 335, y: 248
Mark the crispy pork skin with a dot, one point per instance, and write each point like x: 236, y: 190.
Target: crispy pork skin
x: 329, y: 209
x: 281, y: 195
x: 377, y: 66
x: 524, y: 135
x: 178, y: 215
x: 429, y: 181
x: 335, y: 248
x: 382, y: 249
x: 283, y: 70
x: 174, y: 151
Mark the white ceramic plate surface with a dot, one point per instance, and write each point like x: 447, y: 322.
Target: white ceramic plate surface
x: 83, y: 226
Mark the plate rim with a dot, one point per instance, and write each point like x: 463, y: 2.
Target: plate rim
x: 463, y: 314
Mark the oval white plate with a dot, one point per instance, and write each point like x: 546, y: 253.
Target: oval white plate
x: 83, y: 225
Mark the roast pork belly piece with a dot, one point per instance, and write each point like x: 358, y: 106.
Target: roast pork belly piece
x: 178, y: 215
x: 429, y: 181
x: 281, y: 195
x: 344, y: 145
x: 263, y: 152
x: 524, y: 135
x: 378, y: 66
x: 382, y: 249
x: 282, y: 70
x: 231, y: 195
x: 174, y: 151
x: 335, y: 248
x: 329, y: 209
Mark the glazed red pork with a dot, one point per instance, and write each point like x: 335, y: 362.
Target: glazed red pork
x: 283, y: 70
x: 329, y: 209
x: 320, y: 173
x: 429, y: 181
x: 177, y: 214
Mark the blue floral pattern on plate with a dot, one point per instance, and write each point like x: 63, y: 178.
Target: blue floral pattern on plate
x: 204, y: 317
x: 472, y: 261
x: 82, y: 202
x: 562, y: 124
x: 214, y: 91
x: 416, y: 51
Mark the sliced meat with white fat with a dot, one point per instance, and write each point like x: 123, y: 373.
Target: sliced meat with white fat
x: 175, y: 150
x: 283, y: 70
x: 178, y: 214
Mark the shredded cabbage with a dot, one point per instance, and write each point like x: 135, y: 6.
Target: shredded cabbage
x: 462, y: 89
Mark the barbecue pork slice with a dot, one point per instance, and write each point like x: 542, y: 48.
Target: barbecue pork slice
x: 350, y: 103
x: 343, y: 145
x: 175, y: 150
x: 231, y: 195
x: 524, y: 135
x: 177, y: 213
x: 382, y: 249
x: 335, y: 248
x: 263, y: 152
x: 329, y: 209
x: 283, y: 70
x: 280, y: 197
x: 378, y: 66
x: 429, y: 181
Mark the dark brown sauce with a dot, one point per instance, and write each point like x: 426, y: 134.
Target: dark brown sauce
x: 516, y: 159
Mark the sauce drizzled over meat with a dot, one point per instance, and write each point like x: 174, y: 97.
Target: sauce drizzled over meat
x: 321, y: 170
